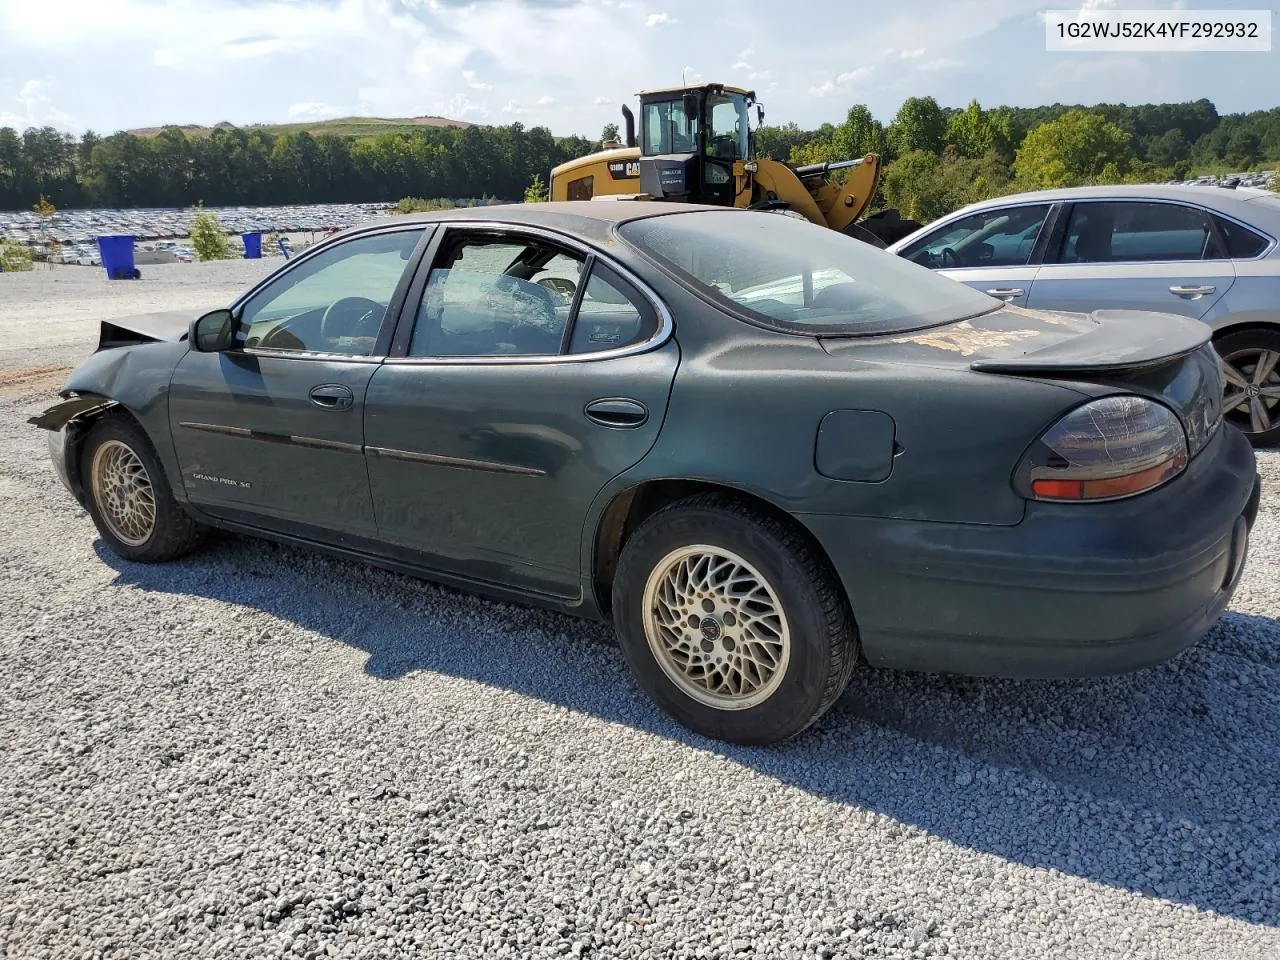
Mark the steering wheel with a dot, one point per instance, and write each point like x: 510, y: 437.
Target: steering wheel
x: 367, y: 318
x: 950, y: 255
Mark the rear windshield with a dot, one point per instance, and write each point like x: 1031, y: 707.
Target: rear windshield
x: 793, y: 274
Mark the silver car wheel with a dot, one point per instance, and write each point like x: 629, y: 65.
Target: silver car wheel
x: 716, y: 627
x: 122, y: 490
x: 1253, y: 387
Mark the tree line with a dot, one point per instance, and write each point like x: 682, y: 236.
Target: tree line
x: 937, y: 158
x: 231, y: 166
x: 941, y: 158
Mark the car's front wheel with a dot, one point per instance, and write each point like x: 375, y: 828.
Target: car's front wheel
x: 1251, y: 362
x: 731, y: 622
x: 128, y: 495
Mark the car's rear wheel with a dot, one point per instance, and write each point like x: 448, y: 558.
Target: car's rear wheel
x: 1251, y: 361
x: 128, y: 495
x: 731, y: 622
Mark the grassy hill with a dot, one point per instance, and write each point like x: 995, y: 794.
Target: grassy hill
x: 342, y: 126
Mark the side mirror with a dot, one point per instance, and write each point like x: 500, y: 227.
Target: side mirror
x: 212, y: 333
x: 691, y: 107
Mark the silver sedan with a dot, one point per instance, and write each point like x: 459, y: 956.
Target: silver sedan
x: 1202, y: 251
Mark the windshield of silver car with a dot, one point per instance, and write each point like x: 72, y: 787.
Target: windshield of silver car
x: 790, y: 273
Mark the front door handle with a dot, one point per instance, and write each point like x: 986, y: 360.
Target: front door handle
x: 332, y: 396
x: 1005, y: 293
x: 1191, y: 292
x: 617, y: 412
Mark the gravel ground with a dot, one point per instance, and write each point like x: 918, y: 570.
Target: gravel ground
x: 263, y: 752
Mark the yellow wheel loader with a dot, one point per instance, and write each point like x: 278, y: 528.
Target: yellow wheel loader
x: 696, y: 145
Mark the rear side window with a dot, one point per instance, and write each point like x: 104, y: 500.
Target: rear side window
x: 1134, y: 231
x: 791, y: 274
x: 1241, y: 242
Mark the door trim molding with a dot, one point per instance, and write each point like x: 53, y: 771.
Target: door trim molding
x: 290, y: 439
x: 489, y: 466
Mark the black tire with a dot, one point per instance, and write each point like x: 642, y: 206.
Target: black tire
x: 173, y: 532
x: 859, y: 232
x: 823, y: 637
x: 1241, y: 351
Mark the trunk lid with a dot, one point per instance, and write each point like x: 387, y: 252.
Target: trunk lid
x: 1166, y: 357
x: 1019, y: 340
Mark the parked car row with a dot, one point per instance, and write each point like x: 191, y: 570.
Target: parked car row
x: 82, y: 227
x: 1201, y: 252
x: 770, y: 454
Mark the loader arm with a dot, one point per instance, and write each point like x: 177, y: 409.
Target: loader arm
x: 842, y: 206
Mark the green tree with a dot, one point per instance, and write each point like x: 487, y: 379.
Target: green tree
x: 609, y: 133
x: 859, y: 135
x: 1168, y: 148
x: 207, y: 238
x: 536, y: 192
x: 919, y: 125
x: 13, y: 256
x: 974, y: 132
x: 1075, y: 148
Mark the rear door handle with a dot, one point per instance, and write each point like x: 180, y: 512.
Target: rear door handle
x: 1005, y: 293
x: 617, y: 412
x: 1191, y: 292
x: 332, y: 396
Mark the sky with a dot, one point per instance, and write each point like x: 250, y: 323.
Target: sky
x: 109, y: 65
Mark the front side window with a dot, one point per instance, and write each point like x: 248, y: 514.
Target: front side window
x: 333, y: 302
x: 1003, y: 237
x: 796, y: 275
x: 1136, y: 232
x: 667, y: 129
x: 727, y: 127
x: 500, y: 296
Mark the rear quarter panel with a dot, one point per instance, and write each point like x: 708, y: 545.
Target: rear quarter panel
x: 747, y: 403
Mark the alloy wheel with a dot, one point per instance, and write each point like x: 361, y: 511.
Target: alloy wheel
x: 716, y: 627
x: 1252, y: 396
x: 122, y: 489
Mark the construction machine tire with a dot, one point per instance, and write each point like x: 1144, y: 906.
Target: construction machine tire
x: 859, y: 232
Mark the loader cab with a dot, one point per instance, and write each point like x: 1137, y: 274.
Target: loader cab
x: 690, y: 139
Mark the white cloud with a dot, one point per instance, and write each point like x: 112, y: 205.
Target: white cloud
x: 601, y: 101
x: 545, y: 101
x: 854, y: 76
x: 473, y: 83
x: 660, y: 20
x: 741, y: 65
x: 37, y: 109
x: 313, y: 110
x: 513, y: 107
x: 843, y: 82
x: 164, y: 57
x: 260, y: 47
x: 942, y: 63
x: 747, y: 54
x: 912, y: 54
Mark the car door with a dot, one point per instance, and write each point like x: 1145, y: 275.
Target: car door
x: 526, y: 374
x: 271, y: 431
x: 1135, y: 255
x: 993, y: 250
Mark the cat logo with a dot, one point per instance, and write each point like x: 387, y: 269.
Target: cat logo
x: 624, y: 169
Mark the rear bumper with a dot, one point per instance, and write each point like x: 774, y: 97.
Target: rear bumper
x: 1073, y: 590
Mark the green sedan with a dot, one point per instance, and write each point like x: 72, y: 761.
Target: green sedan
x: 769, y: 453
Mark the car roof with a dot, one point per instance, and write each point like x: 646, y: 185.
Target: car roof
x: 590, y: 218
x: 1226, y: 199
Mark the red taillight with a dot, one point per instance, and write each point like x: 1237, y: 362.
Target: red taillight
x: 1114, y: 447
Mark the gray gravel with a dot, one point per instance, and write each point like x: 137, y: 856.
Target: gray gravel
x: 263, y: 752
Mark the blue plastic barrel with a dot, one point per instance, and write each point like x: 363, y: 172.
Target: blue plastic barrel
x: 253, y: 246
x: 117, y: 257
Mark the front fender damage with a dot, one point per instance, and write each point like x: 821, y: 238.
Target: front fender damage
x: 60, y: 414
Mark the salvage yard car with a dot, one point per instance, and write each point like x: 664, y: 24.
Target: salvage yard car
x: 1202, y: 251
x: 767, y: 452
